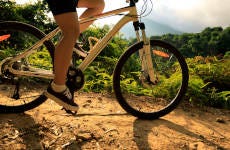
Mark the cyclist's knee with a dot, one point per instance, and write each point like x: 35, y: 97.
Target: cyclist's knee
x: 95, y: 4
x: 71, y: 34
x: 101, y: 5
x: 68, y: 24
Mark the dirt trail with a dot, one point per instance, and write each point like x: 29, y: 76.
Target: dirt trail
x: 102, y: 124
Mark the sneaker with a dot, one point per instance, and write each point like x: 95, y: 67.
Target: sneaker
x: 64, y: 98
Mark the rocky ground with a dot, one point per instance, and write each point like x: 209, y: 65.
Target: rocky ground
x: 102, y: 124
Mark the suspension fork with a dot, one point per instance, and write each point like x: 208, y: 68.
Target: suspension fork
x: 145, y: 53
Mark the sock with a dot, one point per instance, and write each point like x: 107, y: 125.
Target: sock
x: 58, y: 88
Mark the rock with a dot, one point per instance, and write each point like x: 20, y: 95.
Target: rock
x: 89, y: 101
x: 86, y: 105
x: 84, y: 136
x: 56, y: 130
x: 220, y: 120
x: 99, y: 98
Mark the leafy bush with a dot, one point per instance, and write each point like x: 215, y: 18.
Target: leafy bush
x: 195, y: 93
x: 97, y: 80
x: 219, y: 99
x: 214, y: 75
x: 227, y: 55
x: 208, y: 83
x: 212, y: 70
x: 41, y: 59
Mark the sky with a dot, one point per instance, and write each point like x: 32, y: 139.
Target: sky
x: 183, y: 15
x: 193, y: 15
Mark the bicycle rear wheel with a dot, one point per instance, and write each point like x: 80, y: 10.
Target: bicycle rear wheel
x: 134, y: 90
x: 19, y: 93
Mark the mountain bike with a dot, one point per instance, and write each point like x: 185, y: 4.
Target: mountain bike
x: 155, y: 68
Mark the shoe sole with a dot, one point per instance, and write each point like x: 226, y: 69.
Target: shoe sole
x: 61, y: 103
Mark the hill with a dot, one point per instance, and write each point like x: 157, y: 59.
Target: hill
x: 152, y: 28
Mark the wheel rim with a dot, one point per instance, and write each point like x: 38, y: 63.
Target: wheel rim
x: 30, y: 88
x: 157, y: 98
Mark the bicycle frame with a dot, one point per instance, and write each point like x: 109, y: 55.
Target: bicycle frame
x: 104, y: 41
x: 131, y: 15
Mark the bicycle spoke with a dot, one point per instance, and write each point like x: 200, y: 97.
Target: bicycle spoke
x: 18, y: 92
x: 135, y: 90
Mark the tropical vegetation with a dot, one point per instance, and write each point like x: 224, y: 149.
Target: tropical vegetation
x: 207, y: 54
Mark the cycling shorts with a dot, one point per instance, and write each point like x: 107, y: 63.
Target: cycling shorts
x: 62, y: 6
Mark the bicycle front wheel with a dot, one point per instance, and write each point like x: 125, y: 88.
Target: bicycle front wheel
x: 19, y: 93
x: 141, y: 97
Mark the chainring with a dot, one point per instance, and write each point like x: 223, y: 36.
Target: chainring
x: 75, y: 78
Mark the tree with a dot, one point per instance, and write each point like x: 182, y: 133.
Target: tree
x: 224, y: 44
x: 34, y: 14
x: 9, y: 11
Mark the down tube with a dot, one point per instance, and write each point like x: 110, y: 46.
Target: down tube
x: 104, y: 41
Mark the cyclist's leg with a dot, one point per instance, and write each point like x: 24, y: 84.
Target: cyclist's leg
x: 69, y: 25
x: 58, y: 90
x: 94, y: 7
x: 66, y: 17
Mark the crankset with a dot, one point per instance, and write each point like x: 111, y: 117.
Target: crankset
x: 75, y: 78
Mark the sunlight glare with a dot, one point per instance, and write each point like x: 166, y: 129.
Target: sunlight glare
x: 25, y: 1
x: 181, y: 4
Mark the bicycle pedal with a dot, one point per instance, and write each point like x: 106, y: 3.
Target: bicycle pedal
x: 69, y: 111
